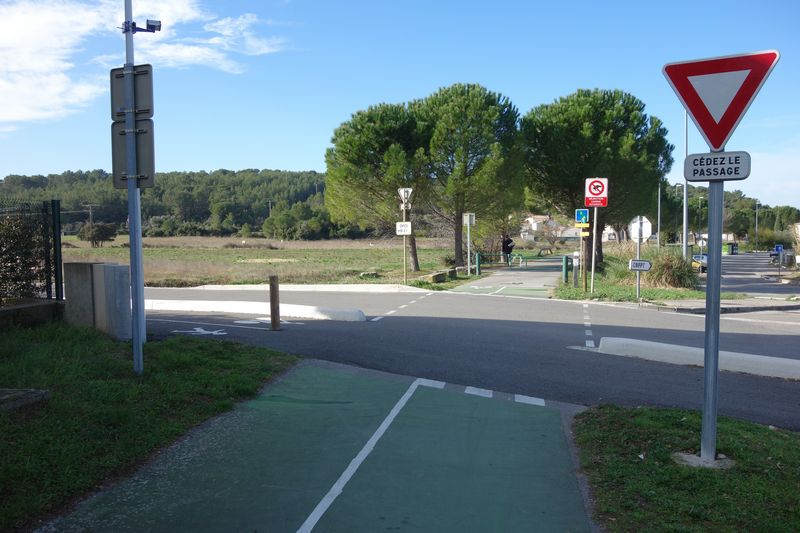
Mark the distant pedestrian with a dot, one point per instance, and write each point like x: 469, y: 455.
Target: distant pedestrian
x: 508, y: 247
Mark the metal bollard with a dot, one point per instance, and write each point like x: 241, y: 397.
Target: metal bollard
x: 564, y: 269
x: 274, y: 304
x: 477, y: 263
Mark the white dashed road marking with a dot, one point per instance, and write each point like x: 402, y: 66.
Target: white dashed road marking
x: 486, y: 393
x: 528, y: 399
x: 376, y: 319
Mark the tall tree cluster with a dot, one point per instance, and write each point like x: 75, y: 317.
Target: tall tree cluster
x: 457, y: 149
x: 591, y: 133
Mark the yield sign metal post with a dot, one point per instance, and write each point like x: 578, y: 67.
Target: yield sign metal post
x: 716, y: 92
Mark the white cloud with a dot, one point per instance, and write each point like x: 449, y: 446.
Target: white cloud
x: 237, y: 34
x: 42, y: 75
x: 185, y: 55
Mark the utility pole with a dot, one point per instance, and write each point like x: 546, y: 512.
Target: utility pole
x: 90, y: 207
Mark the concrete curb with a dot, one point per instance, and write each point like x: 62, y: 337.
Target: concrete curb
x: 729, y: 309
x: 352, y: 287
x: 684, y: 309
x: 759, y: 365
x: 256, y: 308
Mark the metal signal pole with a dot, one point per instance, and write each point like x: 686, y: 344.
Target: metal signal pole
x: 139, y: 329
x: 139, y: 332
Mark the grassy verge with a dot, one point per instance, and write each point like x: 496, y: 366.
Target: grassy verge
x: 102, y: 420
x: 445, y: 285
x: 626, y: 454
x: 616, y: 292
x: 193, y: 261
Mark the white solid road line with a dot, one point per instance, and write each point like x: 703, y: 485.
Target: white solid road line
x: 528, y: 399
x: 498, y: 290
x: 206, y: 324
x: 337, y: 487
x: 255, y: 308
x: 486, y: 393
x: 760, y: 365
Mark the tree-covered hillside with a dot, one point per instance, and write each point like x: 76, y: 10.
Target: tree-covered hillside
x: 286, y: 205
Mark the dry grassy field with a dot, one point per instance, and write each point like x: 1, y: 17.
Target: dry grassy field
x: 189, y: 261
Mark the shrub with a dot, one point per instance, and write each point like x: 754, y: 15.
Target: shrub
x: 97, y: 233
x: 671, y: 270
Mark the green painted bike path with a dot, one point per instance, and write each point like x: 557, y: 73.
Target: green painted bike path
x: 448, y: 461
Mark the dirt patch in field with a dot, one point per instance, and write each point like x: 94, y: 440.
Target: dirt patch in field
x: 262, y: 260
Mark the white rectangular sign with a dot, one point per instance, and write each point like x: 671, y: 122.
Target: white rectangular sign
x: 469, y: 219
x: 717, y: 166
x: 640, y: 265
x: 403, y: 228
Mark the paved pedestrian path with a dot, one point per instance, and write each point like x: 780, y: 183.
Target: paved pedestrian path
x: 333, y: 448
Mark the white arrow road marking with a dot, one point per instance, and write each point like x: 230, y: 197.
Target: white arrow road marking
x: 201, y: 331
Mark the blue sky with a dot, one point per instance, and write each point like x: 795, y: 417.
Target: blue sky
x: 262, y: 84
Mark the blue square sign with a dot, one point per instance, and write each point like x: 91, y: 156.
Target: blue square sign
x: 582, y: 216
x: 778, y: 248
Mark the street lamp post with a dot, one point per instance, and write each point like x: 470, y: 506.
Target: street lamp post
x: 658, y: 230
x: 755, y: 245
x: 700, y: 222
x: 686, y: 189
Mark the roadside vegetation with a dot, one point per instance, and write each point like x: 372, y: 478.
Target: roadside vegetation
x: 101, y: 420
x: 636, y: 486
x: 192, y: 261
x: 445, y: 285
x: 670, y: 278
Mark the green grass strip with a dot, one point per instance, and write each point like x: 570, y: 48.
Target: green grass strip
x: 101, y: 420
x: 618, y: 292
x: 626, y: 454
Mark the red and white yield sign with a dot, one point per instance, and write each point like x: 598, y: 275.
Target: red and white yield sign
x: 596, y: 192
x: 717, y: 91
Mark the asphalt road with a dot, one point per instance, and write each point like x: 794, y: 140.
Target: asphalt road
x: 523, y: 346
x: 745, y: 273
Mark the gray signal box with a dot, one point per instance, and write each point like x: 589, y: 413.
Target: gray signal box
x: 145, y: 153
x: 143, y: 92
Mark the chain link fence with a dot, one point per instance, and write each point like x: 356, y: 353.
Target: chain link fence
x: 30, y: 251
